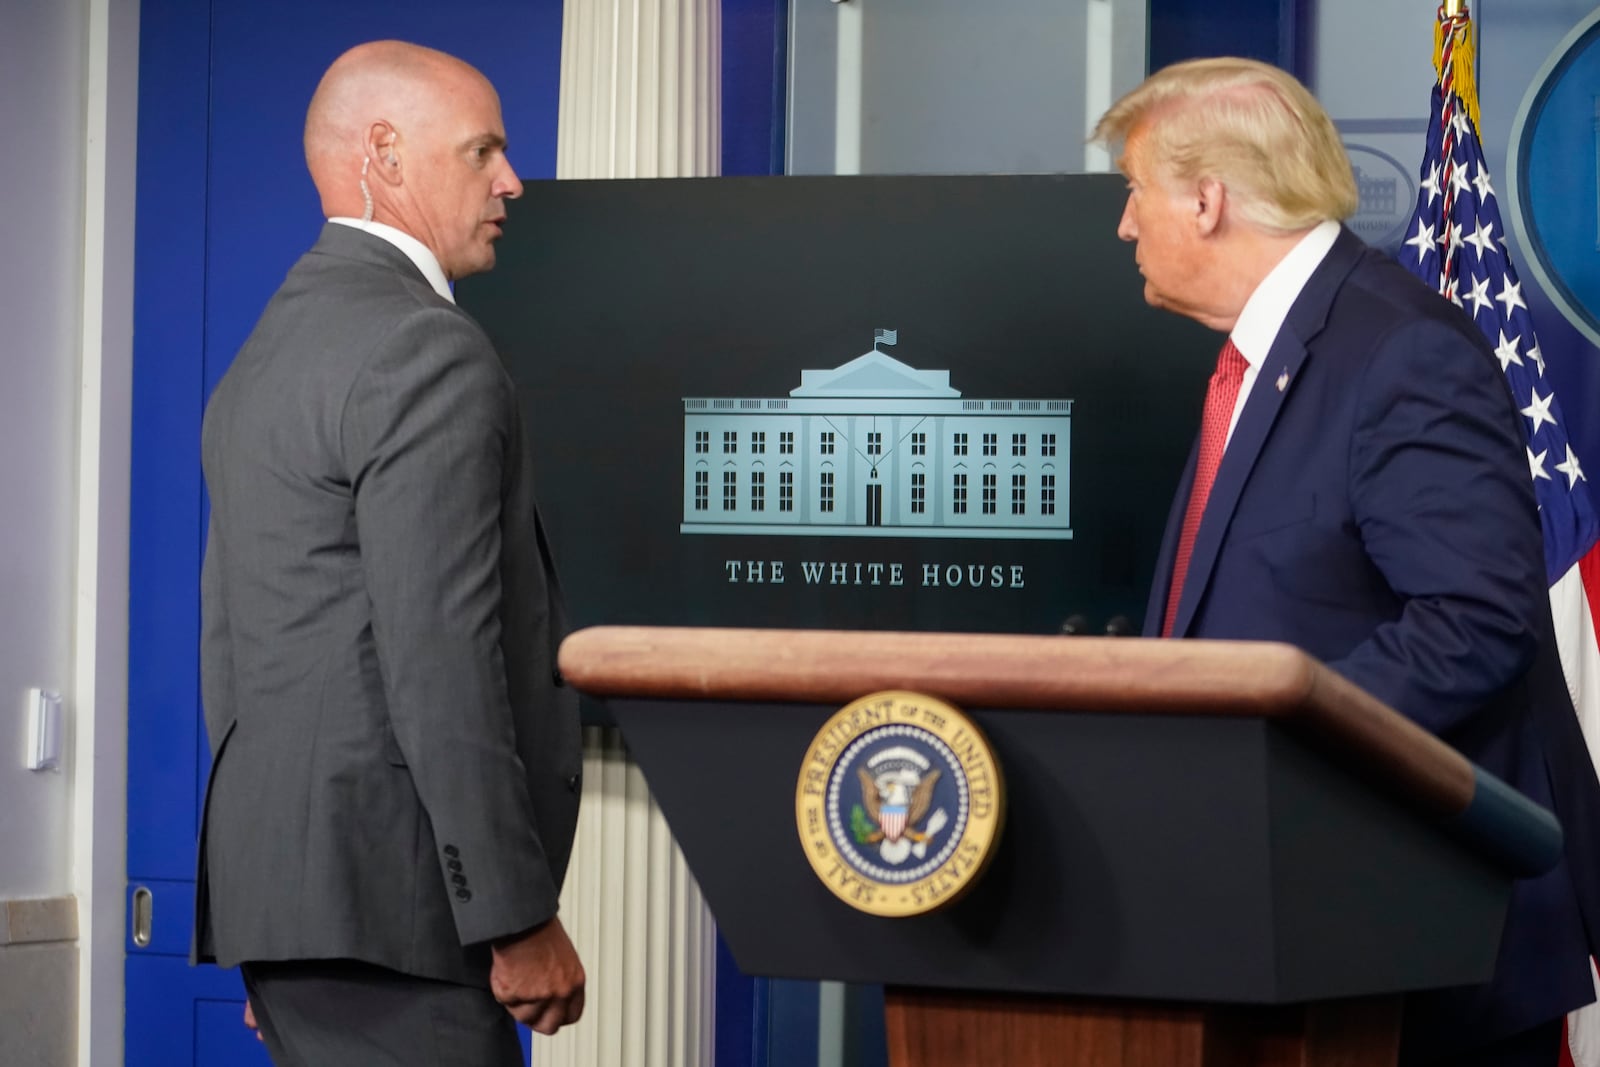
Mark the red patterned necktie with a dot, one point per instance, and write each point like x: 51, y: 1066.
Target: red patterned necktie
x: 1221, y: 395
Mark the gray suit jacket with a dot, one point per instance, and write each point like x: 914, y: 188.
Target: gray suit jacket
x: 396, y: 763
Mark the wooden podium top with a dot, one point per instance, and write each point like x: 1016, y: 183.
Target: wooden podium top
x: 1099, y: 674
x: 1115, y: 675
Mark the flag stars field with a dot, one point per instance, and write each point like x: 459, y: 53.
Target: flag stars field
x: 1431, y: 185
x: 1507, y: 351
x: 1482, y: 238
x: 1511, y: 296
x: 1571, y: 468
x: 1422, y: 241
x: 1539, y: 412
x: 1481, y: 182
x: 1536, y: 465
x: 1480, y: 296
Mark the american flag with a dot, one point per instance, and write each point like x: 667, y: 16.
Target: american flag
x: 1456, y: 243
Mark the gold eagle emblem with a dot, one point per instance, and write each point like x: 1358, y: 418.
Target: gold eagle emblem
x: 917, y: 801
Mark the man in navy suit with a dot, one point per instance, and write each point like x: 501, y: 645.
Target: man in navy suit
x: 1359, y: 488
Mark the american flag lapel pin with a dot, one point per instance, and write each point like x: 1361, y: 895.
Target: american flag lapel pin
x: 1283, y: 381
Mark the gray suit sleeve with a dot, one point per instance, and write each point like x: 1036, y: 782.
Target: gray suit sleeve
x: 426, y: 430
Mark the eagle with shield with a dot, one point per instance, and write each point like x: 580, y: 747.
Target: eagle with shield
x: 897, y: 788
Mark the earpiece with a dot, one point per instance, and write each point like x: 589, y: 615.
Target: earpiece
x: 366, y: 193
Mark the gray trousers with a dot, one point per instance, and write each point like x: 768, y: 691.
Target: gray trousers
x: 343, y: 1013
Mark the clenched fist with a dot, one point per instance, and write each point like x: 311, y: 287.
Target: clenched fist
x: 539, y: 978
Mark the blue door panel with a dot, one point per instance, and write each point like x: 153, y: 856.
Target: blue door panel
x: 182, y: 1016
x: 220, y: 1035
x: 164, y: 528
x: 262, y: 211
x: 755, y: 63
x: 1274, y: 31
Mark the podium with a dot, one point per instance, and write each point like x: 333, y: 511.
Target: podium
x: 1214, y: 854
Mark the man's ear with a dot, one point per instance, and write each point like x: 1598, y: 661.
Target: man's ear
x: 383, y: 153
x: 1210, y: 200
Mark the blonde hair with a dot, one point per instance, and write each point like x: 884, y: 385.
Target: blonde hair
x: 1248, y: 125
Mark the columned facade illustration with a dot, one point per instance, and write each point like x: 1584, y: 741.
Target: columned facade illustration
x: 877, y: 448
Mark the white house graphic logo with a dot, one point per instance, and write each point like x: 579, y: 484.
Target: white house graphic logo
x: 877, y: 448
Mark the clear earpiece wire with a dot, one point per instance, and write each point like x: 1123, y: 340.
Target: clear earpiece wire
x: 366, y: 194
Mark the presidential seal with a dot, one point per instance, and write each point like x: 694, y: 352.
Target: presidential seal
x: 899, y: 803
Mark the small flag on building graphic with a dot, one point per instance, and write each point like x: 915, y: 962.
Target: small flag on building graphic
x: 884, y: 337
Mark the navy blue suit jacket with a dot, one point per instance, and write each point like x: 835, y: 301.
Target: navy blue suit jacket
x: 1374, y: 508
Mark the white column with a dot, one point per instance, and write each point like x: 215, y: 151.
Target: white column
x: 641, y: 89
x: 640, y: 98
x: 847, y: 99
x: 1098, y: 53
x: 99, y: 736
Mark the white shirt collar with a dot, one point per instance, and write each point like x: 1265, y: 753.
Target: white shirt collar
x: 414, y: 249
x: 1258, y: 324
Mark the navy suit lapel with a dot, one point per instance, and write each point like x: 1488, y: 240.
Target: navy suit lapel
x: 1255, y: 423
x: 1274, y: 383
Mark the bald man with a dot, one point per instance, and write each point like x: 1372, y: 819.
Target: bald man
x: 396, y: 763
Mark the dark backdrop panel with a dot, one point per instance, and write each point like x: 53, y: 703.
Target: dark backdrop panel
x: 613, y: 301
x: 1274, y: 31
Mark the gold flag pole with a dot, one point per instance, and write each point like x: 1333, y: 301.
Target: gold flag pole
x: 1449, y: 41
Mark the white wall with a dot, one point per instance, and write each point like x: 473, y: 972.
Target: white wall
x: 1372, y: 68
x: 42, y: 94
x: 68, y: 113
x: 100, y: 580
x: 956, y: 86
x: 1373, y: 59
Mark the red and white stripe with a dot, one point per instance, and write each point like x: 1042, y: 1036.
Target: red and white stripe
x: 1575, y: 602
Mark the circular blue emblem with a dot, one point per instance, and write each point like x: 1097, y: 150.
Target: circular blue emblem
x: 899, y: 803
x: 1554, y: 174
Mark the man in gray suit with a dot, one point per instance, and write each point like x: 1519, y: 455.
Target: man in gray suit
x: 396, y: 763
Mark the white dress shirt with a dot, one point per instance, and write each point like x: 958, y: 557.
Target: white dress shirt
x: 1258, y: 325
x: 414, y: 249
